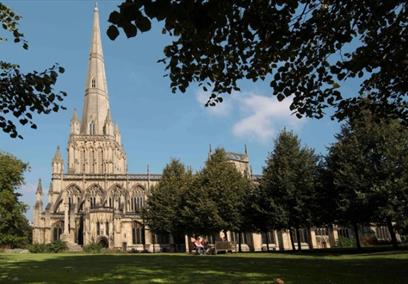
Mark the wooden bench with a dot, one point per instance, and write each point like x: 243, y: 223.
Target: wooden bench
x: 224, y: 246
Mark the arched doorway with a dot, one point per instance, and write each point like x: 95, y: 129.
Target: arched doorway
x: 103, y: 242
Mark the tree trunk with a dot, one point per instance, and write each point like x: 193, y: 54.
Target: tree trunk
x: 357, y: 236
x: 392, y: 233
x: 291, y: 240
x: 309, y: 237
x: 239, y: 242
x: 298, y: 239
x: 267, y: 241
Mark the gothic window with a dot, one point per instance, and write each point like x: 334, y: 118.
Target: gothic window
x: 137, y: 233
x: 107, y: 228
x: 270, y: 239
x: 57, y: 231
x: 321, y: 231
x: 303, y: 236
x: 343, y: 232
x: 98, y: 228
x: 93, y: 83
x: 93, y: 202
x: 235, y: 238
x: 138, y: 203
x: 382, y: 233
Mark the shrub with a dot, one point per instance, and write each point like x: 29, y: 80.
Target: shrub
x: 343, y: 242
x: 93, y: 248
x: 38, y: 248
x: 55, y: 247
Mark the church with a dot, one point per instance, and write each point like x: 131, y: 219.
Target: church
x: 95, y: 200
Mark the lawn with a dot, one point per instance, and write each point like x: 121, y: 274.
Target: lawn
x: 379, y: 267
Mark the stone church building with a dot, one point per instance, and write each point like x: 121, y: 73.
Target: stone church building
x: 95, y: 200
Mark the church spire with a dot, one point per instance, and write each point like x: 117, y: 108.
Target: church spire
x: 96, y: 101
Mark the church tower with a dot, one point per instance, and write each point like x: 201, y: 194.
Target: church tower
x: 94, y: 145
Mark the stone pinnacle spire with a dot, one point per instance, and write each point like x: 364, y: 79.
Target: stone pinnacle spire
x: 39, y: 188
x: 96, y: 101
x: 57, y: 155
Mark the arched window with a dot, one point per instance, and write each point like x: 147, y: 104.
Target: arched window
x: 93, y: 83
x: 57, y: 231
x: 98, y: 228
x: 137, y: 233
x: 107, y: 228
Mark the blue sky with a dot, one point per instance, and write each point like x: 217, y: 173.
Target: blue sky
x: 156, y: 125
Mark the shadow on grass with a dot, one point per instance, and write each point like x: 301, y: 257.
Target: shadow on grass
x: 375, y: 250
x: 165, y: 268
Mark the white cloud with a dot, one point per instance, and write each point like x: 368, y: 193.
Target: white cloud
x: 259, y: 117
x: 221, y: 109
x: 263, y: 117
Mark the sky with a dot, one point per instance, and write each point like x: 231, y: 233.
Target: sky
x: 155, y: 124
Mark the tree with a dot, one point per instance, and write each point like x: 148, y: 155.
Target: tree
x: 22, y: 95
x: 163, y: 208
x: 14, y: 227
x: 369, y: 169
x: 288, y: 183
x: 305, y: 48
x: 216, y: 200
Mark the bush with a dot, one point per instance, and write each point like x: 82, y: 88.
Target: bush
x: 55, y: 247
x: 38, y: 248
x: 93, y: 248
x: 343, y: 242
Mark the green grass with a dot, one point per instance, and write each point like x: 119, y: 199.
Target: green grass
x: 377, y: 267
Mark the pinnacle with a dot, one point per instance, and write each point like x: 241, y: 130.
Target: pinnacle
x: 58, y: 156
x: 39, y: 187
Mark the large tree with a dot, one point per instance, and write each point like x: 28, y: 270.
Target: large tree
x: 216, y: 200
x: 163, y: 208
x: 307, y: 49
x: 369, y: 170
x: 24, y: 94
x: 14, y: 227
x: 289, y: 180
